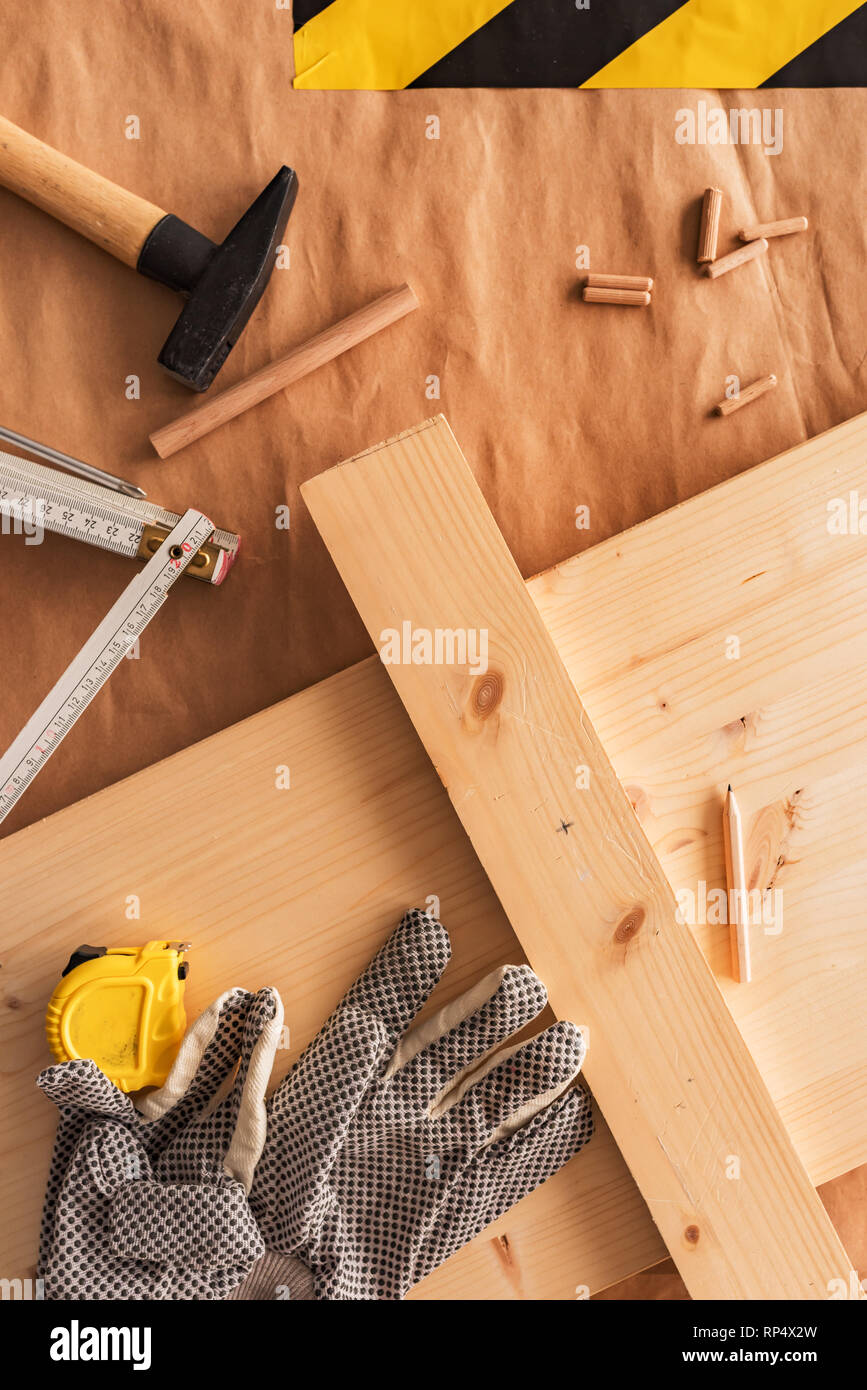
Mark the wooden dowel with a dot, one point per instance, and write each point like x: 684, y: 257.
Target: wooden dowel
x: 738, y: 898
x: 333, y: 341
x: 749, y: 393
x: 736, y: 258
x: 603, y: 296
x: 784, y: 227
x: 597, y: 281
x: 708, y: 233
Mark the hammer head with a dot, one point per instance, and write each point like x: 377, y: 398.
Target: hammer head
x: 223, y: 284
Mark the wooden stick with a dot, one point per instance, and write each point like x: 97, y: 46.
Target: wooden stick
x: 333, y: 341
x: 785, y: 227
x: 599, y: 281
x: 736, y: 882
x: 708, y: 232
x: 614, y: 296
x: 736, y: 258
x: 574, y: 871
x: 749, y: 393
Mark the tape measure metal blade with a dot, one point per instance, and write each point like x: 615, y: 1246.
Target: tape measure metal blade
x: 140, y: 601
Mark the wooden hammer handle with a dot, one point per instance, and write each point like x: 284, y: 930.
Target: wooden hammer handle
x: 106, y: 214
x: 333, y: 341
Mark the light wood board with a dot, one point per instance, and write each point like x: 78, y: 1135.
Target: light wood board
x: 425, y: 563
x: 298, y: 887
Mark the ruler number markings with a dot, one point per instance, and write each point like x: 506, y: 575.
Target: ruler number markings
x: 99, y: 657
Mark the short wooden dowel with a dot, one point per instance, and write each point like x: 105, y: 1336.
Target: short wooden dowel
x: 736, y: 258
x: 614, y: 296
x: 749, y: 393
x: 333, y: 341
x: 784, y: 227
x: 598, y: 281
x: 708, y: 233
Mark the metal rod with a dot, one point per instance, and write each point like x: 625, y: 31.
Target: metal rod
x: 84, y: 470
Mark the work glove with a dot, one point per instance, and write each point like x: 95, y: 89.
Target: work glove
x: 149, y: 1201
x: 389, y: 1149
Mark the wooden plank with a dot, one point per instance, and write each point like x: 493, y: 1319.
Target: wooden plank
x: 421, y: 554
x: 297, y: 888
x: 783, y: 721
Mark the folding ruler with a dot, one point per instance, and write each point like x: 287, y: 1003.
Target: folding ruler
x: 44, y: 497
x: 138, y: 604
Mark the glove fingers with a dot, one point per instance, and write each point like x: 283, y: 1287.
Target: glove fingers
x: 208, y: 1054
x: 403, y: 972
x: 204, y: 1132
x: 503, y: 1173
x: 506, y: 1092
x: 247, y: 1106
x: 81, y: 1083
x: 434, y: 1057
x: 331, y: 1077
x: 308, y: 1119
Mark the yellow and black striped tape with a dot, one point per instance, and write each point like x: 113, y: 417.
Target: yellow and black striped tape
x: 391, y: 44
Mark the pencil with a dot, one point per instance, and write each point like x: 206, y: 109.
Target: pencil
x: 736, y: 878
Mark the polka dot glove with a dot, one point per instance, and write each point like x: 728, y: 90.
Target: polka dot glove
x: 150, y: 1201
x: 388, y: 1149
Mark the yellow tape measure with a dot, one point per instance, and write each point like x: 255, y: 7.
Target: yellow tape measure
x: 124, y: 1008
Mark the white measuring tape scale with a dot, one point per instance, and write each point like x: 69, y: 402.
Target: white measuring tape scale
x: 32, y: 494
x: 104, y: 650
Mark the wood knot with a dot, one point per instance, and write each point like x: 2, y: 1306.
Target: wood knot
x: 639, y: 799
x: 487, y: 694
x: 691, y: 1235
x: 630, y: 926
